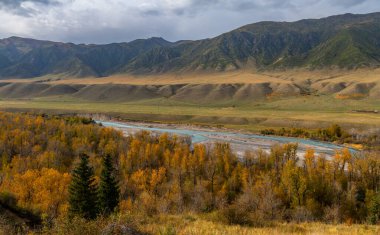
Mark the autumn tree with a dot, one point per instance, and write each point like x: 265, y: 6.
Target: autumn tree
x: 82, y: 190
x: 108, y: 191
x: 294, y: 183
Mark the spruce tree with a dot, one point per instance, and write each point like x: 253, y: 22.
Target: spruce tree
x: 82, y: 191
x: 108, y: 192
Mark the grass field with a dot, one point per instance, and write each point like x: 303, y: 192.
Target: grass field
x: 297, y: 75
x: 194, y: 226
x: 191, y: 224
x: 246, y: 77
x: 307, y: 111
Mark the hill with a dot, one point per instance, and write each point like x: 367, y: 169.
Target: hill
x: 210, y: 88
x: 345, y: 41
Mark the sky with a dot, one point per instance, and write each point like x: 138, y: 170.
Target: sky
x: 107, y: 21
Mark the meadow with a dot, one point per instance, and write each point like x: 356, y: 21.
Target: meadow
x: 192, y: 224
x: 299, y: 111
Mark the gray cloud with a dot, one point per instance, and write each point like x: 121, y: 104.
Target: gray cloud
x: 18, y: 7
x: 348, y: 3
x: 104, y: 21
x: 17, y: 3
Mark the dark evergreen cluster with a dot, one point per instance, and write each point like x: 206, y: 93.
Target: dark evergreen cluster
x: 86, y: 199
x: 108, y: 191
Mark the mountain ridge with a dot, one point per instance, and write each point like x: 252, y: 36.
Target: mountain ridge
x: 346, y: 41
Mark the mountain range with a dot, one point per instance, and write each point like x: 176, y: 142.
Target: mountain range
x: 345, y: 41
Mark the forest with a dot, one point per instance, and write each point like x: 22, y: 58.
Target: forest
x: 48, y: 163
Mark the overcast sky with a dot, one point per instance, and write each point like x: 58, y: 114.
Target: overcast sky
x: 106, y: 21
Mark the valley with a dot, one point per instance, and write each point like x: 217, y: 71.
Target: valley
x: 251, y: 101
x: 269, y: 128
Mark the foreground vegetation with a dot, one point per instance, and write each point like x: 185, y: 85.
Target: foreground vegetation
x: 167, y: 186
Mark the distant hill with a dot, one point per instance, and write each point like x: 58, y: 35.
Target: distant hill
x: 345, y: 41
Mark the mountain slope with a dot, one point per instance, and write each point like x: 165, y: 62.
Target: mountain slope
x: 346, y: 41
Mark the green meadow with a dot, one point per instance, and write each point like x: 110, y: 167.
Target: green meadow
x: 300, y: 111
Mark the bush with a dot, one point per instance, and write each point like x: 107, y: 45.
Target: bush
x: 8, y: 199
x: 168, y: 231
x: 236, y: 215
x: 374, y: 210
x: 115, y: 225
x: 301, y: 214
x: 332, y: 214
x: 10, y: 226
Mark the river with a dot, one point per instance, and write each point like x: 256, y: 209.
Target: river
x: 240, y: 142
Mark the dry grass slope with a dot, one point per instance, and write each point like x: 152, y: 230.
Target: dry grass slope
x: 251, y: 100
x: 206, y: 88
x: 193, y: 225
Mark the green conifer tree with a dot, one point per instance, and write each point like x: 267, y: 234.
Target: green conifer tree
x: 108, y: 192
x: 82, y: 191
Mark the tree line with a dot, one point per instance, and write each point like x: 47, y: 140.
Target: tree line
x: 334, y: 133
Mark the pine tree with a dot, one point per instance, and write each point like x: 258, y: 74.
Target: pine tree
x: 108, y: 193
x: 82, y: 191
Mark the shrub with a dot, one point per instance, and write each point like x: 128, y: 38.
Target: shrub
x: 374, y: 210
x: 236, y: 215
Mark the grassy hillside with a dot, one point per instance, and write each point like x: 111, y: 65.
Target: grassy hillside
x: 238, y: 85
x: 236, y: 99
x: 345, y: 41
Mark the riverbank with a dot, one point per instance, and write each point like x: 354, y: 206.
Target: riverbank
x: 309, y: 112
x: 240, y: 141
